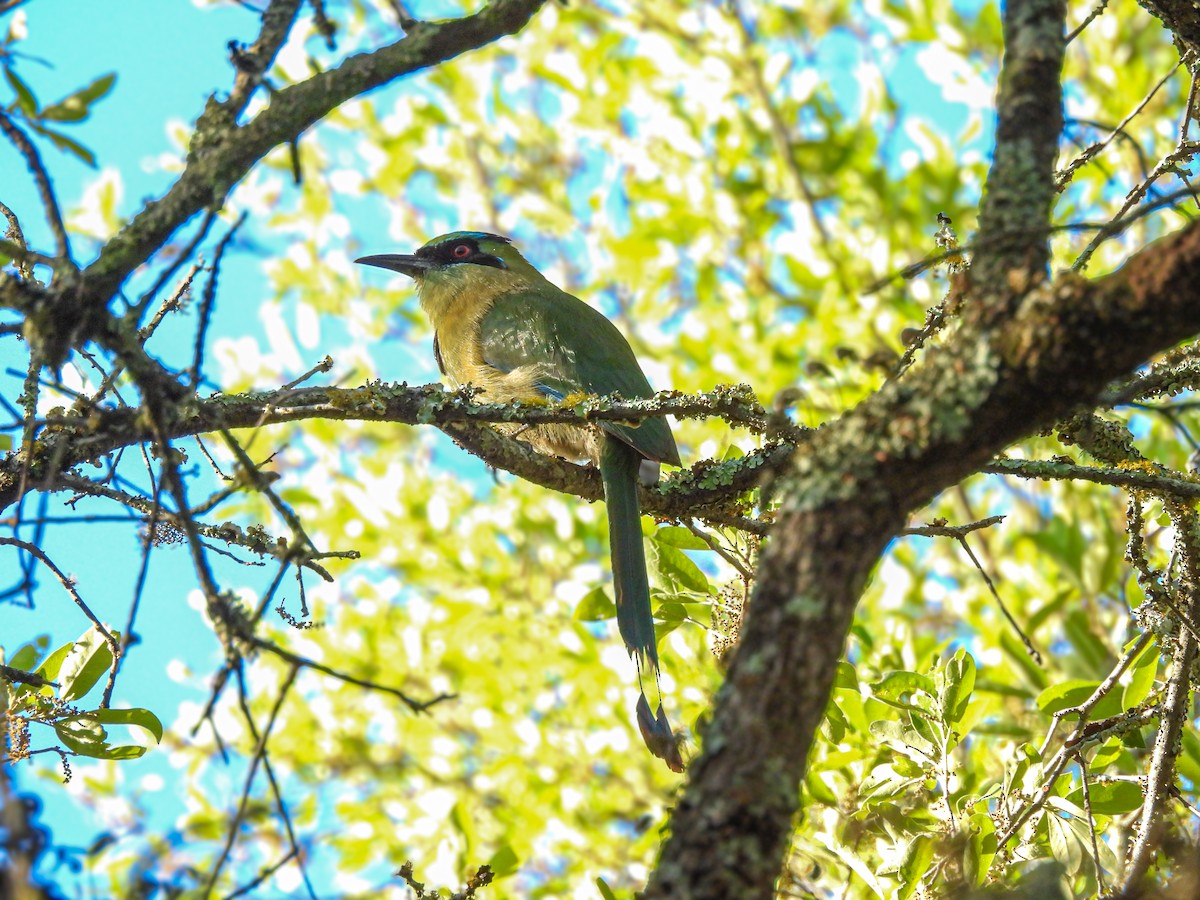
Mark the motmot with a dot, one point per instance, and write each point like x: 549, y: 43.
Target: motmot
x: 500, y: 326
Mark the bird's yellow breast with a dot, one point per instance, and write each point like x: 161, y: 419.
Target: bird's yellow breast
x: 456, y: 308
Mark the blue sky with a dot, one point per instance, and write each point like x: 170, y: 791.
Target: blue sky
x: 155, y: 84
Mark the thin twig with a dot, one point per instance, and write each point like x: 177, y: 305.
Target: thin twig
x: 45, y: 188
x: 1091, y: 821
x: 1096, y: 10
x: 259, y: 752
x: 138, y: 590
x: 784, y: 150
x: 952, y: 531
x: 17, y: 236
x: 297, y: 660
x: 323, y: 366
x: 1037, y: 657
x: 209, y: 298
x: 715, y: 546
x: 1092, y: 732
x: 1064, y: 176
x: 1171, y: 162
x: 172, y: 303
x: 254, y: 541
x: 264, y: 874
x: 276, y: 791
x: 69, y: 586
x: 1168, y: 743
x: 168, y: 272
x: 1101, y: 691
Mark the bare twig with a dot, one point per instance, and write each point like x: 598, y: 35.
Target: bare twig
x: 1064, y: 176
x: 1159, y: 480
x: 1091, y: 16
x: 1091, y: 820
x: 1169, y: 163
x: 263, y: 875
x: 276, y: 792
x: 69, y: 586
x: 418, y: 706
x: 17, y: 236
x: 1167, y: 746
x: 170, y: 304
x: 42, y: 179
x: 169, y: 271
x: 258, y: 755
x: 715, y: 546
x: 209, y: 298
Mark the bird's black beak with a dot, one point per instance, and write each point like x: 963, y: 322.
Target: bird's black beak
x: 412, y: 266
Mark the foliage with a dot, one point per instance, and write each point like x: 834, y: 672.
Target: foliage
x: 733, y: 184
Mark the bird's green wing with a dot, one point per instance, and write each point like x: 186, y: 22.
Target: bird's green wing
x: 577, y: 350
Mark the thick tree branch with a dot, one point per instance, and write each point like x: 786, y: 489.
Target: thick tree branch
x: 1181, y: 17
x: 1013, y: 234
x: 1000, y: 378
x: 709, y: 486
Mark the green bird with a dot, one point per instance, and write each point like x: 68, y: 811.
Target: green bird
x: 501, y: 327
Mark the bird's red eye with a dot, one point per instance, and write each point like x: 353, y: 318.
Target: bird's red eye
x: 462, y: 251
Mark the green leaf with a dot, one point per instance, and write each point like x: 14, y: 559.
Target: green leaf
x: 25, y: 98
x: 1092, y: 650
x: 77, y: 106
x: 1142, y: 672
x: 678, y: 536
x: 896, y: 685
x: 906, y: 740
x: 28, y: 655
x: 595, y: 607
x: 1064, y: 844
x: 53, y: 663
x: 85, y: 734
x: 97, y: 89
x: 846, y: 676
x: 980, y: 849
x: 62, y: 142
x: 676, y: 568
x: 142, y: 718
x: 1110, y: 798
x: 917, y: 859
x: 605, y: 891
x: 504, y: 861
x: 1072, y: 692
x: 957, y: 686
x: 835, y: 723
x: 1016, y: 651
x: 89, y: 658
x: 1108, y: 753
x: 885, y: 781
x: 819, y: 791
x: 465, y: 826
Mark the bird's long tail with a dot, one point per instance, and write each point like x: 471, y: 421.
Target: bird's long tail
x: 619, y: 471
x: 619, y: 464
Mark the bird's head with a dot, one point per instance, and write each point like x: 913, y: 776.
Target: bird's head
x: 471, y: 264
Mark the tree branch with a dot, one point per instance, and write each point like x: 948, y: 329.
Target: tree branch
x: 92, y: 434
x: 1013, y: 233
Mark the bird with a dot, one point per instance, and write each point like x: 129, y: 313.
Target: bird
x: 501, y: 327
